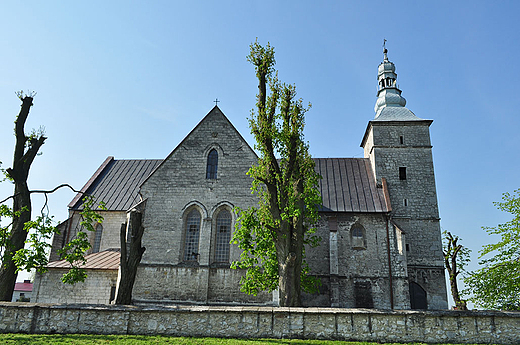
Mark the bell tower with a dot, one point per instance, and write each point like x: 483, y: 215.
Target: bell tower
x: 397, y: 142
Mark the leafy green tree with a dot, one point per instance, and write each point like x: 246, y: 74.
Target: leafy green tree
x: 456, y: 258
x: 497, y: 284
x: 24, y: 242
x: 74, y: 251
x: 272, y: 236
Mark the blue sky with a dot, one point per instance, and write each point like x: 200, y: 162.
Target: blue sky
x: 130, y: 79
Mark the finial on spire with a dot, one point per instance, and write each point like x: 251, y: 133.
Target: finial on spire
x: 385, y: 50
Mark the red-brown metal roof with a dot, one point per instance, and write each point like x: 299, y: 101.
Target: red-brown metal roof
x: 105, y: 260
x: 25, y: 286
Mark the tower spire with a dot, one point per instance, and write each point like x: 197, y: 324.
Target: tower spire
x: 388, y: 94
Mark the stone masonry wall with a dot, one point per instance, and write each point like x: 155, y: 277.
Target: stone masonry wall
x: 479, y: 327
x: 112, y: 221
x: 96, y: 288
x: 192, y: 284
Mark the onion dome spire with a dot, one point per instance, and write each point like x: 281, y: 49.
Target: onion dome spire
x: 388, y: 94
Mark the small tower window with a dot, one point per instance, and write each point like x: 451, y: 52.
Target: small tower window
x: 405, y: 202
x: 402, y: 173
x: 211, y: 169
x: 401, y: 140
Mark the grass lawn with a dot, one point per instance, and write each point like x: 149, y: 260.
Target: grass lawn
x: 84, y: 339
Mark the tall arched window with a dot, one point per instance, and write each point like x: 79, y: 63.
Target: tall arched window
x: 223, y: 236
x: 211, y: 168
x: 97, y: 238
x: 191, y: 242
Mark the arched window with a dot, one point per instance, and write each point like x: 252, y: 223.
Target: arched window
x: 211, y: 168
x: 222, y: 236
x: 97, y: 238
x: 357, y: 235
x: 191, y: 242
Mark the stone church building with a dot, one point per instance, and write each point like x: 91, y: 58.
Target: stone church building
x: 379, y: 222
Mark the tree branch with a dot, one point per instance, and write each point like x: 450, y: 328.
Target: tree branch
x: 43, y: 191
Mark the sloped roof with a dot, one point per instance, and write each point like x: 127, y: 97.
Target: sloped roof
x: 105, y: 260
x: 25, y: 286
x: 396, y: 114
x: 348, y: 185
x: 116, y: 183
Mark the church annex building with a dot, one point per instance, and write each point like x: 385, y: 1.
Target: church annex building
x: 379, y: 222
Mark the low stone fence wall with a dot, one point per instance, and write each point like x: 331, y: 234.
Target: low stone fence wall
x: 265, y: 322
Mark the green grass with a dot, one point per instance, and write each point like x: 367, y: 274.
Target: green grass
x: 85, y: 339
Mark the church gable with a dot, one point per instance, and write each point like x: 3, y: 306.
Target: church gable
x: 203, y: 178
x: 213, y: 134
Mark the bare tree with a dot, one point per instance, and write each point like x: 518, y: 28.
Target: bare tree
x: 26, y: 149
x: 131, y: 254
x: 456, y: 256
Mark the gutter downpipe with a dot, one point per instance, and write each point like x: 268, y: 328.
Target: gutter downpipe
x: 387, y: 219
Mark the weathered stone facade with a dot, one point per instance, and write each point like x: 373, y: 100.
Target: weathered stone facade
x: 379, y: 220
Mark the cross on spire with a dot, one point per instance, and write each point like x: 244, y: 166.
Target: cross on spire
x: 385, y: 50
x: 216, y: 101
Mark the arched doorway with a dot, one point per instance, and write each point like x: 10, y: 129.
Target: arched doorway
x: 418, y: 298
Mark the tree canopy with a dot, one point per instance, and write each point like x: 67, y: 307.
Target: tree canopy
x: 497, y: 284
x: 272, y: 236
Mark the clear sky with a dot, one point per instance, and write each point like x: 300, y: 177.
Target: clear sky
x: 130, y: 79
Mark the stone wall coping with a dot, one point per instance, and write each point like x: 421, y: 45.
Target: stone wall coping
x: 401, y: 326
x: 261, y: 309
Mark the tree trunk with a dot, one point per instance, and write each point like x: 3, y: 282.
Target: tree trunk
x: 131, y: 254
x: 459, y: 303
x: 290, y: 258
x: 17, y: 239
x: 24, y: 154
x: 289, y: 287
